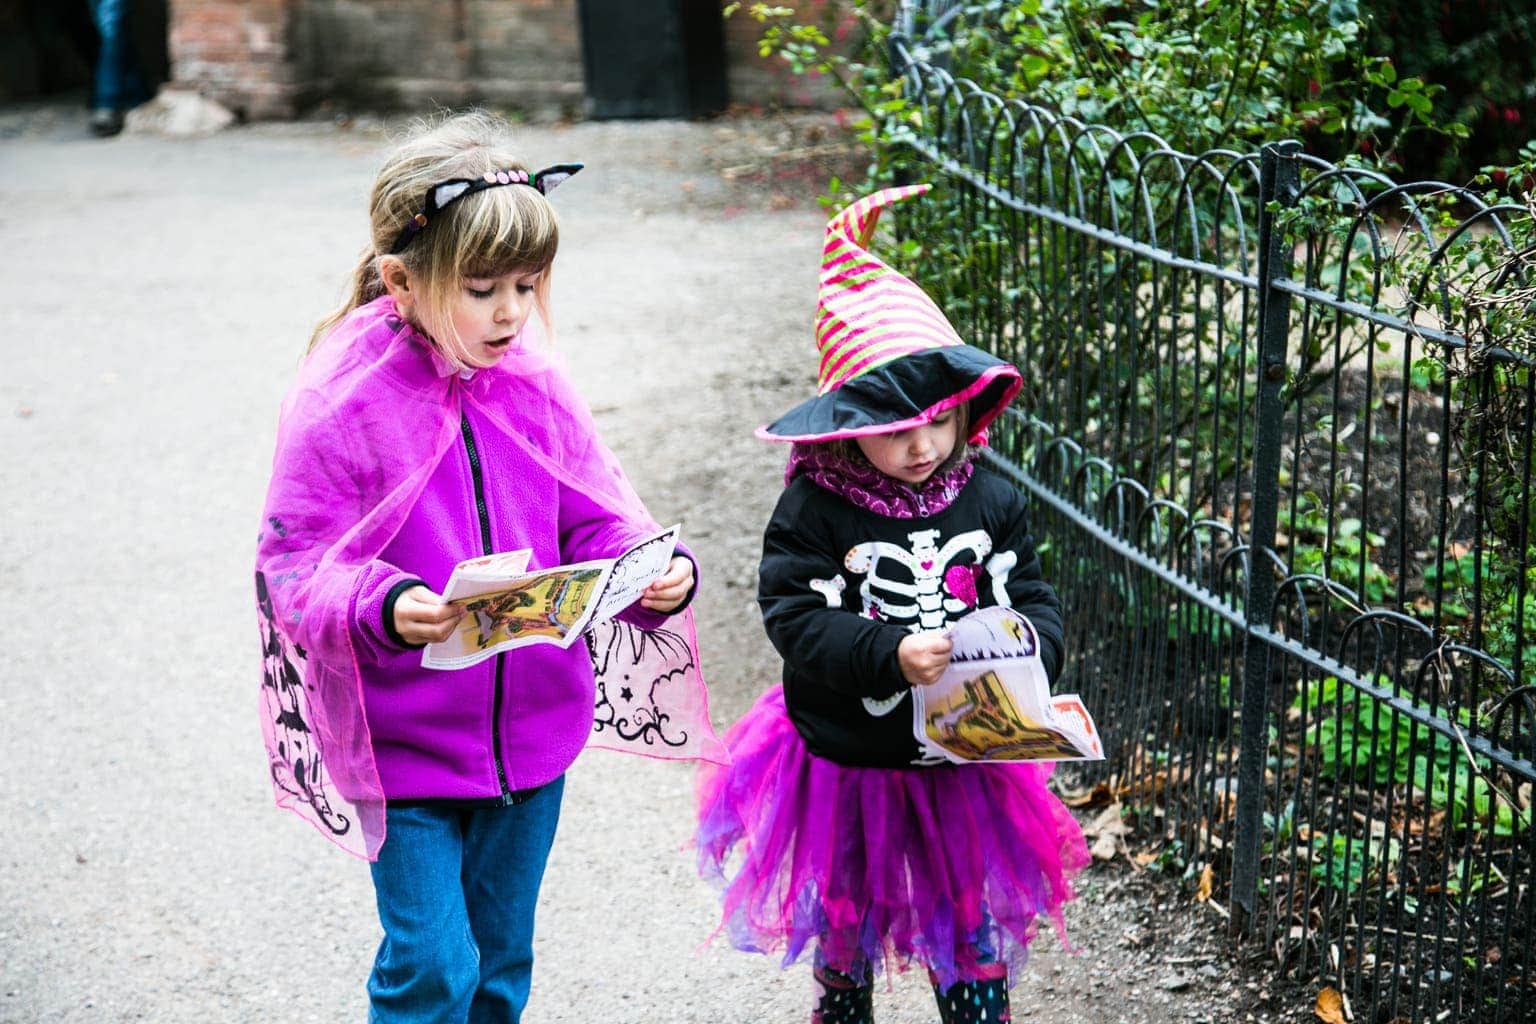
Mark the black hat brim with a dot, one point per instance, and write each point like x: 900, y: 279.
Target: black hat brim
x: 903, y: 393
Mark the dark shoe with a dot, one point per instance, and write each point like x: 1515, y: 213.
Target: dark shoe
x: 105, y: 121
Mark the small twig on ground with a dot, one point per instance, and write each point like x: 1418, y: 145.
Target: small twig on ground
x: 799, y: 153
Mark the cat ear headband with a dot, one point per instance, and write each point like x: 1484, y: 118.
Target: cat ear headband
x: 445, y: 193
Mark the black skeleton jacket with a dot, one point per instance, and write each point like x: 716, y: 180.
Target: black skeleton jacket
x: 840, y: 586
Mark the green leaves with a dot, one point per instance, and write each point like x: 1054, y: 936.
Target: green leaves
x: 1412, y: 92
x: 1236, y: 71
x: 1034, y: 67
x: 1342, y: 12
x: 1427, y: 372
x: 1359, y: 738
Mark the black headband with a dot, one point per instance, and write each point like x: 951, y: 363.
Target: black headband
x: 445, y: 193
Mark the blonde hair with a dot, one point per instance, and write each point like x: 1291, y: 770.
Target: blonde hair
x: 488, y: 234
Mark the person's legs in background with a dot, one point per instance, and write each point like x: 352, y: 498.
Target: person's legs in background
x: 116, y: 85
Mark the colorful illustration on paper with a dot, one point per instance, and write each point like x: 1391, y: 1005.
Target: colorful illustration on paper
x: 547, y: 605
x: 994, y: 702
x: 508, y: 605
x: 979, y: 720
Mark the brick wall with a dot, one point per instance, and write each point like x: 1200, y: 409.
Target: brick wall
x: 272, y: 58
x: 414, y: 53
x: 238, y: 52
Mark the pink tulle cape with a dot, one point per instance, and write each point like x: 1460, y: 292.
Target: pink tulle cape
x: 359, y: 435
x: 950, y: 867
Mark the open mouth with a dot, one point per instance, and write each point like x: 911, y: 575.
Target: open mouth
x: 920, y: 468
x: 499, y: 343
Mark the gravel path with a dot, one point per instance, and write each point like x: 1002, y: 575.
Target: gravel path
x: 158, y: 293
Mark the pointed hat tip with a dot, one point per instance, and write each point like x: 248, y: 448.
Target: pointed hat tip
x: 857, y: 220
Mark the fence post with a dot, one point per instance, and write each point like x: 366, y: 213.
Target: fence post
x: 1279, y: 185
x: 903, y: 36
x: 895, y: 67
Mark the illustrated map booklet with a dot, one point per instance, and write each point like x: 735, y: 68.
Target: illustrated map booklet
x: 994, y: 701
x: 508, y: 606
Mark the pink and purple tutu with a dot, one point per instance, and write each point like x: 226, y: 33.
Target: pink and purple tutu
x: 950, y: 867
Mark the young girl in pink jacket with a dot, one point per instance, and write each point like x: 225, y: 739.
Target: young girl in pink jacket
x: 430, y: 425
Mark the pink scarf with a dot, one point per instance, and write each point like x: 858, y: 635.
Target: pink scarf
x: 861, y: 484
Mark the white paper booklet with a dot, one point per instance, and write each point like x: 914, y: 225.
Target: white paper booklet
x: 508, y: 606
x: 994, y: 701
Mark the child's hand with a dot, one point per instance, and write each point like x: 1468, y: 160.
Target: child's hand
x: 670, y: 588
x: 421, y: 617
x: 923, y: 657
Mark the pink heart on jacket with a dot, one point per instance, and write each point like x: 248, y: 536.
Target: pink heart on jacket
x: 960, y: 581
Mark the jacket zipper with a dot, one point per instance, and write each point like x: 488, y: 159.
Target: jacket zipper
x: 485, y: 543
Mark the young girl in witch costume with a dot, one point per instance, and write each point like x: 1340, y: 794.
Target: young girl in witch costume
x: 430, y: 425
x: 829, y: 830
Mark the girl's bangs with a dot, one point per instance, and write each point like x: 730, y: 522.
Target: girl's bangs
x: 510, y: 229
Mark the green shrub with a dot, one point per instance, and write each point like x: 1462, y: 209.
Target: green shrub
x: 1358, y: 738
x: 1484, y: 54
x: 1153, y: 371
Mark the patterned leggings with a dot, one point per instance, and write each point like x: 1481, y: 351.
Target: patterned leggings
x: 842, y: 1000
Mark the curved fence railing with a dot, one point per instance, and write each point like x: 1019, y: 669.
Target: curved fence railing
x: 1283, y: 462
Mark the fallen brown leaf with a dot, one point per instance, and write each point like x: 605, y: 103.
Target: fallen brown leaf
x: 1108, y: 823
x: 1106, y: 847
x: 1106, y: 832
x: 1095, y: 797
x: 1145, y: 788
x: 1207, y: 882
x: 1330, y: 1006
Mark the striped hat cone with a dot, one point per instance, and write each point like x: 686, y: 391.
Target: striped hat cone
x: 868, y: 314
x: 889, y: 358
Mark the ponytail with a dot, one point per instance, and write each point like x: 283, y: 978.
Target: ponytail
x: 365, y: 286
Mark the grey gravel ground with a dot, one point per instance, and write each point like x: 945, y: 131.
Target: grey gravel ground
x: 157, y: 293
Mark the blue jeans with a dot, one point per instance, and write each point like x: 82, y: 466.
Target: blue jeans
x: 456, y: 892
x: 116, y: 84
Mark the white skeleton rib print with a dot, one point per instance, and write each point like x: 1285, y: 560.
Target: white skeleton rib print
x: 923, y: 604
x: 831, y: 590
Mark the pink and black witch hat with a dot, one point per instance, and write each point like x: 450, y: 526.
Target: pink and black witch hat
x: 890, y: 359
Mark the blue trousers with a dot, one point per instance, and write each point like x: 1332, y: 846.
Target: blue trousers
x: 456, y: 892
x: 116, y: 84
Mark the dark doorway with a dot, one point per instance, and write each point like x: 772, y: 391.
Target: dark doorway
x: 653, y: 59
x: 48, y: 47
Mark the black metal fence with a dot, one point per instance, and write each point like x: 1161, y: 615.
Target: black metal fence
x: 1283, y: 460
